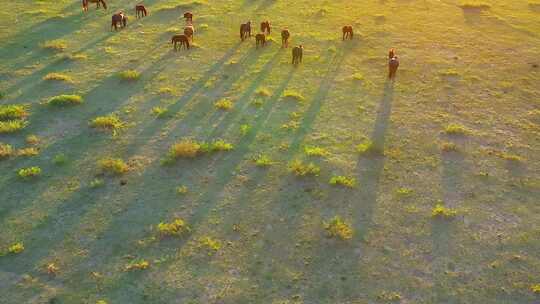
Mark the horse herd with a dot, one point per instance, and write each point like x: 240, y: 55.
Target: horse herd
x: 183, y: 40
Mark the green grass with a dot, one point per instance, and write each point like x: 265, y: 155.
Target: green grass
x: 262, y: 160
x: 299, y: 168
x: 13, y: 112
x: 29, y: 172
x: 65, y: 100
x: 129, y: 75
x: 12, y: 126
x: 339, y: 180
x: 293, y: 95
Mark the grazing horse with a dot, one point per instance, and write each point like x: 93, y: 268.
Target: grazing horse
x: 245, y: 30
x: 140, y: 10
x: 265, y: 27
x: 188, y: 31
x: 297, y: 53
x: 391, y: 53
x: 97, y: 2
x: 348, y: 32
x: 393, y: 65
x: 118, y: 18
x: 182, y: 39
x: 285, y: 38
x: 260, y: 39
x: 189, y: 17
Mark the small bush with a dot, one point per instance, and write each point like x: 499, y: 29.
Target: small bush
x: 107, y: 123
x: 441, y: 211
x: 16, y: 248
x: 298, y: 168
x: 221, y: 145
x: 182, y: 189
x: 338, y: 228
x: 244, y: 129
x: 58, y: 77
x: 315, y: 151
x: 52, y: 269
x: 12, y: 126
x: 65, y: 100
x: 535, y: 288
x: 5, y: 151
x: 404, y: 191
x: 456, y: 129
x: 449, y: 147
x: 13, y: 112
x: 27, y: 152
x: 293, y: 95
x: 59, y: 159
x: 262, y: 161
x: 160, y: 112
x: 185, y: 148
x: 224, y: 104
x: 368, y: 147
x: 264, y: 92
x: 76, y: 57
x: 175, y: 228
x: 510, y: 157
x: 129, y: 75
x: 138, y: 265
x: 209, y: 244
x: 113, y: 166
x: 29, y: 172
x: 97, y: 183
x: 55, y: 45
x: 32, y: 140
x: 339, y: 180
x: 165, y: 91
x: 358, y: 76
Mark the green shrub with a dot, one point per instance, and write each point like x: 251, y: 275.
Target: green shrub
x: 343, y: 181
x: 368, y: 147
x: 129, y: 75
x: 96, y: 183
x: 456, y: 129
x: 16, y: 248
x: 59, y: 159
x: 32, y: 140
x: 5, y: 150
x: 58, y: 77
x: 113, y: 166
x: 221, y: 145
x: 535, y: 288
x: 12, y: 126
x: 26, y: 152
x: 293, y: 95
x: 13, y: 112
x: 106, y: 123
x: 244, y: 129
x: 338, y: 228
x: 160, y: 112
x: 264, y: 92
x: 262, y: 161
x: 209, y: 244
x: 29, y: 172
x: 177, y: 227
x: 65, y: 100
x: 441, y: 211
x: 315, y: 151
x: 224, y: 104
x: 182, y: 189
x: 186, y: 148
x: 298, y: 168
x: 138, y: 265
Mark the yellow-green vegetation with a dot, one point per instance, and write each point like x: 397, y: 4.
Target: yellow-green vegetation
x: 138, y: 265
x: 58, y: 77
x: 441, y: 211
x: 160, y: 112
x: 97, y: 183
x: 209, y: 244
x: 16, y: 248
x: 32, y: 140
x: 129, y: 75
x: 114, y: 166
x: 26, y: 152
x: 299, y: 168
x: 456, y: 129
x: 316, y: 151
x: 6, y: 150
x: 221, y: 145
x: 224, y: 104
x: 55, y: 45
x: 176, y: 227
x: 59, y: 159
x: 368, y: 147
x: 262, y: 160
x: 12, y: 126
x: 13, y: 112
x: 107, y: 123
x: 185, y: 148
x: 264, y: 92
x: 535, y: 288
x: 29, y: 172
x: 65, y: 100
x: 182, y: 189
x: 449, y: 147
x: 345, y: 181
x: 293, y: 95
x: 337, y: 227
x: 244, y: 129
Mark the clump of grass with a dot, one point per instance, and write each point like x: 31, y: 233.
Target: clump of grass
x: 210, y: 244
x: 264, y: 92
x: 96, y: 183
x: 55, y: 45
x: 102, y: 302
x: 138, y: 265
x: 186, y: 148
x: 340, y: 180
x: 165, y: 91
x: 32, y: 140
x: 440, y: 211
x: 182, y: 189
x: 160, y: 112
x: 298, y: 168
x: 58, y: 77
x: 510, y: 157
x: 262, y: 160
x: 456, y: 129
x: 389, y: 296
x: 293, y: 95
x: 535, y: 288
x: 13, y: 112
x: 52, y: 269
x: 107, y: 123
x: 449, y: 73
x: 338, y: 228
x: 221, y: 145
x: 59, y: 159
x: 129, y: 75
x: 114, y: 166
x: 315, y: 151
x: 449, y: 147
x: 12, y: 126
x: 358, y: 76
x: 76, y: 57
x: 65, y: 100
x: 368, y: 147
x: 29, y: 172
x: 224, y: 104
x: 5, y: 151
x: 404, y: 191
x: 177, y: 227
x: 244, y: 129
x: 27, y: 152
x: 16, y: 248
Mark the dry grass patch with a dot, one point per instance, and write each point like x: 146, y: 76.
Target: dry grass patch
x: 186, y: 148
x: 107, y: 123
x: 5, y: 151
x: 65, y: 100
x: 55, y: 45
x: 113, y: 166
x: 28, y: 152
x: 13, y: 112
x: 336, y: 227
x: 177, y: 227
x: 58, y: 77
x: 298, y: 168
x: 12, y: 126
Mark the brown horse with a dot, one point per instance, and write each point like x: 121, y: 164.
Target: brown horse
x: 348, y: 32
x: 285, y: 38
x: 118, y: 18
x: 297, y: 53
x: 140, y: 11
x: 393, y: 65
x: 182, y: 39
x: 188, y: 31
x: 97, y: 2
x: 260, y: 39
x: 391, y: 53
x: 189, y: 17
x: 245, y: 30
x: 265, y: 27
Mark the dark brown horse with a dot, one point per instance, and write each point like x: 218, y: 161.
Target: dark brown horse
x: 265, y: 27
x: 188, y: 31
x: 189, y: 17
x: 182, y: 39
x: 285, y: 38
x: 118, y: 18
x: 297, y: 53
x: 245, y: 30
x: 260, y: 39
x: 140, y: 11
x: 348, y: 32
x: 393, y: 65
x: 97, y: 2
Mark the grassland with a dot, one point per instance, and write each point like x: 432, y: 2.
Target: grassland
x: 422, y: 190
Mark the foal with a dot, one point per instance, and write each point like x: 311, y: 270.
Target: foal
x: 348, y: 32
x: 297, y: 53
x: 140, y: 10
x: 260, y: 39
x: 182, y: 39
x: 393, y: 65
x: 285, y: 38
